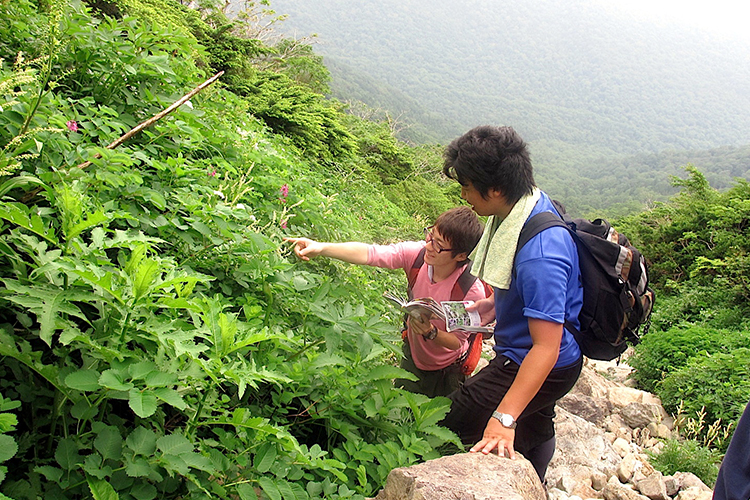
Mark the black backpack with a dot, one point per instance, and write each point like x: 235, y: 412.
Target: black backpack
x: 616, y: 297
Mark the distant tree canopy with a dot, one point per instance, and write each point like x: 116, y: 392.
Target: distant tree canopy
x: 610, y: 109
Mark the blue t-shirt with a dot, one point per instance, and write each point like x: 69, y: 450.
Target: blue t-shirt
x: 546, y: 285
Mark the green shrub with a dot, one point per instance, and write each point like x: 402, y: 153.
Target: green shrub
x: 717, y: 383
x: 157, y: 339
x: 688, y: 456
x: 661, y: 353
x: 419, y: 196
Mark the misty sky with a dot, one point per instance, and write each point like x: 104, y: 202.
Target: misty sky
x: 729, y: 18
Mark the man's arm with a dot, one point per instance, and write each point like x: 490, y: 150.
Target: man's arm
x: 486, y: 309
x: 536, y: 366
x: 352, y: 252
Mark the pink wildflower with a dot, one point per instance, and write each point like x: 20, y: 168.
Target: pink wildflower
x: 283, y: 224
x: 284, y: 190
x: 211, y: 173
x: 72, y: 125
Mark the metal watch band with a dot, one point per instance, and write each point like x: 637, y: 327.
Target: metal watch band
x: 505, y: 420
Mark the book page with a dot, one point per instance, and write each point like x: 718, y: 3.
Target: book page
x: 458, y: 318
x: 417, y: 308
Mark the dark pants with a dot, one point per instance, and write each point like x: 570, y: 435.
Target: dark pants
x: 431, y: 383
x: 733, y: 482
x: 474, y: 402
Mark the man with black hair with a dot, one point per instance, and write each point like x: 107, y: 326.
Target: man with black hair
x: 435, y: 266
x: 509, y: 405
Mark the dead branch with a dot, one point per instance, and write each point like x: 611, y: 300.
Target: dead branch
x: 156, y: 117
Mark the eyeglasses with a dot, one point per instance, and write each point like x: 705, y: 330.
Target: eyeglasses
x: 429, y: 238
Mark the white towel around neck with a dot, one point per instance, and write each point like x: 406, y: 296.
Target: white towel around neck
x: 494, y: 254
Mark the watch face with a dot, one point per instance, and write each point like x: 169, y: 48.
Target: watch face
x: 505, y: 419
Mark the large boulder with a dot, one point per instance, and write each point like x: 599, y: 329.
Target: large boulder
x: 466, y: 476
x: 604, y: 429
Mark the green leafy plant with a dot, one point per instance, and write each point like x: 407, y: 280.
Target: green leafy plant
x: 687, y: 456
x: 664, y: 352
x: 716, y: 384
x: 157, y: 339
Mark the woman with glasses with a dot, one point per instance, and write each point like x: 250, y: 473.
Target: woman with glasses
x: 433, y: 354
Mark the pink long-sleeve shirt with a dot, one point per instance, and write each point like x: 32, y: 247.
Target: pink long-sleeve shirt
x: 428, y: 355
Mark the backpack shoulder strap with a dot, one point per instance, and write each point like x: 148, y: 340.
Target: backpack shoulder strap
x: 537, y: 224
x: 463, y: 283
x: 413, y: 272
x: 460, y: 288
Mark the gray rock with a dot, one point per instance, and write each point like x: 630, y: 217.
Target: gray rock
x: 466, y: 476
x: 615, y: 490
x: 639, y: 415
x: 586, y: 407
x: 653, y: 487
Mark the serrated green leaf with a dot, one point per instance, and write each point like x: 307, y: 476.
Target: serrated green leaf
x: 8, y: 447
x: 84, y: 410
x: 270, y: 488
x: 83, y: 380
x: 97, y: 237
x: 370, y: 407
x: 175, y: 463
x: 93, y: 465
x: 114, y: 379
x: 102, y: 490
x: 198, y: 461
x: 145, y: 275
x: 109, y: 443
x: 8, y: 422
x: 384, y: 372
x: 141, y: 369
x: 442, y: 433
x: 69, y: 334
x: 142, y: 441
x: 170, y: 396
x: 143, y: 403
x: 160, y: 379
x: 19, y: 214
x: 174, y: 444
x: 94, y: 219
x: 265, y: 457
x: 67, y: 455
x: 144, y: 491
x: 103, y: 282
x: 52, y: 474
x: 137, y: 467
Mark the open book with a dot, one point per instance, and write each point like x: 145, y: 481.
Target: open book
x: 453, y: 312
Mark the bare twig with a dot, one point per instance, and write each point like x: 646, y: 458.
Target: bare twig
x: 157, y: 116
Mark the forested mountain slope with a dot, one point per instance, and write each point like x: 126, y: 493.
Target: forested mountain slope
x: 556, y: 70
x: 596, y: 95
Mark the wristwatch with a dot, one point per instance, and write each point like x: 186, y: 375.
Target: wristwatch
x: 505, y: 420
x: 432, y: 333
